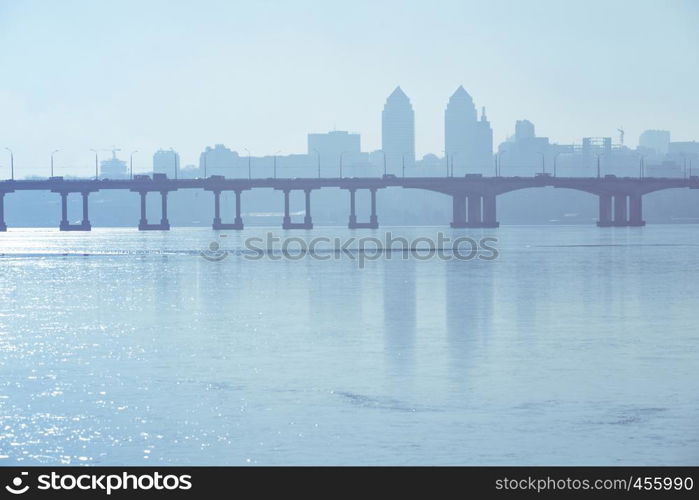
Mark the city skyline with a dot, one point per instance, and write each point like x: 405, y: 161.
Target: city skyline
x: 468, y: 145
x: 133, y: 80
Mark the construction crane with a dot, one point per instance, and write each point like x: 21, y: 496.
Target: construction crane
x: 621, y: 135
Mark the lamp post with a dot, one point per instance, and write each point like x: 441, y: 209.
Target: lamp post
x: 275, y: 162
x: 642, y: 166
x: 543, y: 162
x: 177, y: 161
x: 598, y: 167
x: 249, y: 164
x: 12, y: 164
x: 131, y: 163
x: 53, y: 153
x: 384, y: 162
x: 446, y: 158
x: 555, y: 157
x: 318, y: 155
x: 96, y: 164
x: 403, y: 162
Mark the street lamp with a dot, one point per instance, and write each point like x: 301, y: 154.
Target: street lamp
x: 318, y: 154
x: 403, y: 161
x: 543, y: 162
x: 275, y: 162
x: 96, y: 163
x: 384, y: 162
x: 177, y: 161
x: 446, y: 158
x: 12, y: 164
x: 554, y: 163
x: 499, y: 165
x: 249, y: 164
x: 131, y: 163
x: 53, y: 153
x: 598, y: 167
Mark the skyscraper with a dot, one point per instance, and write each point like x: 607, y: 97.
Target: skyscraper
x: 468, y: 141
x: 165, y: 161
x: 398, y: 131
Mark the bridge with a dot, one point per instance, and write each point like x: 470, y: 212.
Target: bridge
x: 474, y: 196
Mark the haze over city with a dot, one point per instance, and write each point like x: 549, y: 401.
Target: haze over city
x: 83, y: 75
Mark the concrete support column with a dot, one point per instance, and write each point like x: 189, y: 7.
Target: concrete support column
x: 144, y: 218
x: 458, y: 210
x: 163, y: 220
x: 620, y: 212
x: 636, y: 210
x: 353, y: 209
x: 238, y: 218
x: 3, y: 226
x: 86, y: 226
x: 86, y: 217
x: 287, y: 217
x: 373, y: 219
x: 605, y: 210
x: 307, y: 219
x: 490, y: 211
x: 217, y: 208
x: 474, y: 210
x: 64, y: 211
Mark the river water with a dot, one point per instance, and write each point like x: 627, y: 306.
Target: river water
x: 576, y: 345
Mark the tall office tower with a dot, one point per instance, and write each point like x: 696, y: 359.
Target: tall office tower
x: 656, y: 140
x: 165, y: 162
x: 398, y: 131
x: 468, y: 141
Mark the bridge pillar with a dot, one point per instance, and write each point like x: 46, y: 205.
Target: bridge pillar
x: 605, y: 210
x: 474, y: 211
x: 3, y: 226
x: 353, y: 209
x: 286, y: 223
x: 490, y: 211
x: 143, y: 223
x: 217, y: 209
x: 163, y: 219
x: 218, y: 224
x: 458, y: 210
x: 373, y: 218
x: 620, y: 212
x: 307, y: 220
x: 86, y: 226
x: 64, y: 212
x: 238, y: 219
x: 636, y: 210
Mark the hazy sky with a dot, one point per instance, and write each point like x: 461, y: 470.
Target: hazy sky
x: 76, y: 75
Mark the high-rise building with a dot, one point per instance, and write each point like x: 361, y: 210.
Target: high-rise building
x: 333, y: 147
x: 398, y: 131
x: 113, y: 168
x: 165, y: 161
x: 468, y: 141
x: 218, y: 160
x: 656, y: 140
